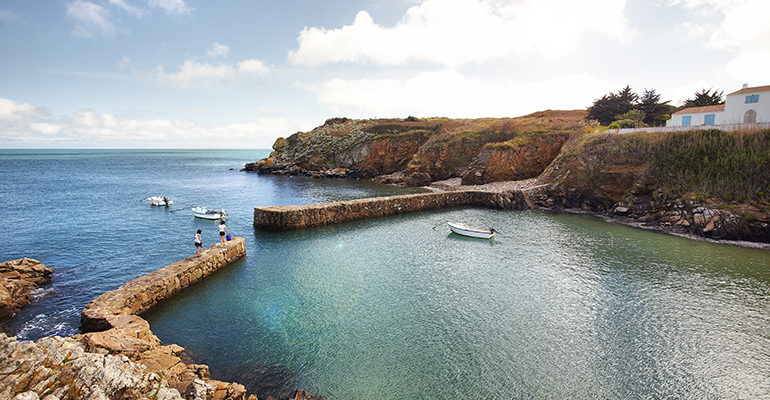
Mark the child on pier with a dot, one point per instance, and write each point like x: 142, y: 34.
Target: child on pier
x: 198, y: 243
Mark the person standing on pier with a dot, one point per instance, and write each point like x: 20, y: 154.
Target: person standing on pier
x: 222, y: 231
x: 198, y: 243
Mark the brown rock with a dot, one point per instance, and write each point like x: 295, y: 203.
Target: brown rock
x: 17, y: 279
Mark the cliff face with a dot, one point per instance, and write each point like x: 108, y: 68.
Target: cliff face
x: 521, y: 158
x: 707, y: 183
x: 343, y: 147
x: 422, y: 150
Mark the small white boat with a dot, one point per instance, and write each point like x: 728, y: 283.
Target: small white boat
x: 205, y: 213
x: 159, y: 201
x: 465, y: 230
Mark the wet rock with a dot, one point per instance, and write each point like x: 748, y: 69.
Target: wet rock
x: 17, y: 279
x: 620, y: 210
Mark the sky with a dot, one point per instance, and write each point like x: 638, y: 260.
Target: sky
x: 239, y: 74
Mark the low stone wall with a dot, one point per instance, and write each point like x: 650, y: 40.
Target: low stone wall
x: 140, y: 294
x: 297, y: 217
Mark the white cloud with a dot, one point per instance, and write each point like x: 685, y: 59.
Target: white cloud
x: 45, y: 128
x: 127, y: 7
x: 740, y: 27
x: 172, y: 7
x: 197, y: 74
x: 750, y: 67
x: 255, y: 67
x: 24, y: 125
x: 193, y: 73
x: 91, y: 19
x: 10, y: 110
x: 456, y: 32
x: 218, y: 50
x: 449, y: 93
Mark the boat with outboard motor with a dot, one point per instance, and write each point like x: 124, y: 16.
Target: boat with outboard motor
x: 465, y: 230
x: 205, y: 213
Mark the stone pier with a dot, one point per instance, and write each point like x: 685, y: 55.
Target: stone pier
x: 140, y: 294
x: 112, y: 325
x: 279, y: 218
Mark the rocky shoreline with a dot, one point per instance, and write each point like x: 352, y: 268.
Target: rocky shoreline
x: 17, y: 279
x: 689, y: 218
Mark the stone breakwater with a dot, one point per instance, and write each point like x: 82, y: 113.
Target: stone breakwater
x: 279, y: 218
x: 297, y: 217
x: 141, y: 294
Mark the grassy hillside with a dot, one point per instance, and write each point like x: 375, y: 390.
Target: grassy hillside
x: 726, y: 166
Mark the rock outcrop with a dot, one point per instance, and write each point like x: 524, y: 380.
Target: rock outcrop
x: 521, y: 158
x: 415, y: 152
x: 17, y: 279
x: 56, y: 368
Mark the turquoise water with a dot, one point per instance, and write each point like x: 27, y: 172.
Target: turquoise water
x: 559, y: 306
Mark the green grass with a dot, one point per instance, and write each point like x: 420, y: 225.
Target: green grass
x: 726, y: 166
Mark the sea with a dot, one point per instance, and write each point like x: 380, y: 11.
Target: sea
x: 556, y: 306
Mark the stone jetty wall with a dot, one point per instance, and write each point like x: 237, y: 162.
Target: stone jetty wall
x: 297, y: 217
x: 279, y: 218
x: 140, y: 294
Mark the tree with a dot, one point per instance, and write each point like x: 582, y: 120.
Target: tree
x: 631, y: 119
x: 705, y: 98
x: 655, y: 112
x: 608, y: 107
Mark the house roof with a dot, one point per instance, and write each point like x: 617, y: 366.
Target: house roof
x: 752, y: 90
x: 693, y: 110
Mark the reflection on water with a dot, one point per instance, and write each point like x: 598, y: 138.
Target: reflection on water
x: 557, y: 306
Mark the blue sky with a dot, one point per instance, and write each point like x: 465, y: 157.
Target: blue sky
x: 239, y: 74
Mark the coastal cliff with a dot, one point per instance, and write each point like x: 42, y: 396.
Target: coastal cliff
x: 415, y: 152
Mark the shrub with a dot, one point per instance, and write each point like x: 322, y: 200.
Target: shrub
x: 336, y: 120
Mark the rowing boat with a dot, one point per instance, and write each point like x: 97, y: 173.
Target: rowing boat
x: 465, y: 230
x: 205, y: 213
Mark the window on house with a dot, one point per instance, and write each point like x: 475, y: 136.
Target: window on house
x: 753, y: 98
x: 708, y: 119
x: 686, y: 120
x: 750, y: 117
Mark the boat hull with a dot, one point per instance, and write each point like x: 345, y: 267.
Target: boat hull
x: 159, y: 201
x: 469, y: 231
x: 202, y: 213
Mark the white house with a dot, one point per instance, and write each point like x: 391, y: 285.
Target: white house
x: 750, y: 105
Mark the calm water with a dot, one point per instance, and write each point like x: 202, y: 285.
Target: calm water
x: 560, y: 306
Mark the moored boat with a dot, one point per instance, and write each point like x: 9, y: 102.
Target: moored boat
x: 205, y: 213
x: 465, y: 230
x: 160, y: 201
